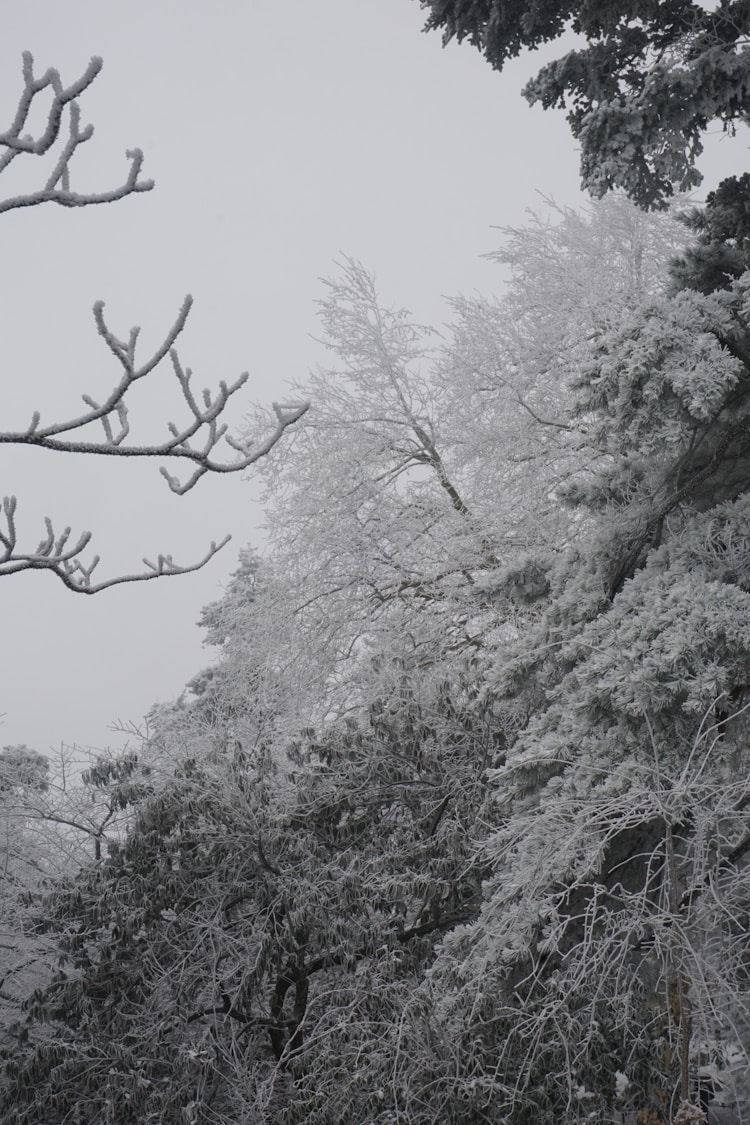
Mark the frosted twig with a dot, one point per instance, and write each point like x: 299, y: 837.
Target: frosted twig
x: 177, y: 445
x: 55, y: 556
x: 204, y: 411
x: 57, y: 186
x: 204, y: 424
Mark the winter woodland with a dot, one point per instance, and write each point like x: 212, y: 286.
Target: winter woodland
x: 456, y: 826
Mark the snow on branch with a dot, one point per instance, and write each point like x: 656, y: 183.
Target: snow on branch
x: 194, y: 441
x: 55, y: 555
x: 17, y: 143
x: 197, y: 440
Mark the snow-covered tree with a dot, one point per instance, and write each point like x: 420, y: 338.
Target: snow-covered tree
x: 51, y: 825
x: 455, y: 827
x: 649, y: 78
x: 24, y: 863
x: 609, y: 957
x: 237, y: 951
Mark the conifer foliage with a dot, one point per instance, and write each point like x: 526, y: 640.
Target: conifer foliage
x: 639, y: 91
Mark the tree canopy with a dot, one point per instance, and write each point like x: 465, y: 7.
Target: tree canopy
x: 456, y: 827
x: 639, y: 93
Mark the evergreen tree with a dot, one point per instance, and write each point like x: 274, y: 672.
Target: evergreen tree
x: 651, y: 77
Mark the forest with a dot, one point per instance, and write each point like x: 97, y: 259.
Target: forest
x: 455, y: 827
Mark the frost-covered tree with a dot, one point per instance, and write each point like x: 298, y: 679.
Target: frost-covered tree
x: 611, y: 942
x: 422, y: 482
x: 24, y: 863
x: 640, y: 90
x: 103, y: 428
x: 609, y: 959
x: 50, y: 825
x: 455, y: 828
x: 235, y: 955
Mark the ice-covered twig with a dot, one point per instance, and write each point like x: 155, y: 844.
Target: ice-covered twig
x: 55, y: 556
x: 203, y: 423
x: 53, y: 553
x: 16, y: 143
x: 196, y: 441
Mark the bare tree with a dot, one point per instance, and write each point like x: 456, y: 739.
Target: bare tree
x: 200, y: 440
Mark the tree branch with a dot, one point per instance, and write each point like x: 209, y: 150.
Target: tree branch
x: 57, y: 187
x: 53, y: 556
x: 113, y: 412
x: 195, y: 441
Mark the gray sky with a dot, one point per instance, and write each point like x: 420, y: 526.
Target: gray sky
x: 280, y: 135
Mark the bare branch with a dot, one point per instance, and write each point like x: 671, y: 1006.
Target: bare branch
x: 53, y: 555
x: 197, y: 440
x: 57, y: 187
x: 178, y: 445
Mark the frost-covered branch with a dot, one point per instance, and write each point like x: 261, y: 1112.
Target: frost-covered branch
x: 204, y: 409
x: 16, y: 142
x: 195, y: 440
x: 55, y: 555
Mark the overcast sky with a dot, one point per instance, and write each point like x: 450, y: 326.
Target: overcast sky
x: 280, y: 135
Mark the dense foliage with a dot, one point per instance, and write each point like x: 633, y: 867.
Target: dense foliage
x: 456, y: 827
x: 641, y: 89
